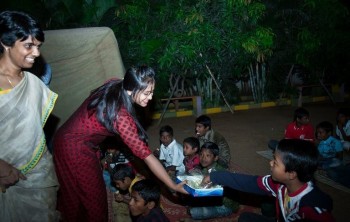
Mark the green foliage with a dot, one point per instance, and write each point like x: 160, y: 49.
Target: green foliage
x: 312, y: 33
x: 183, y: 37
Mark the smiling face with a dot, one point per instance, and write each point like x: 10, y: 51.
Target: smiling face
x: 201, y: 130
x: 143, y: 97
x: 138, y: 206
x: 23, y: 53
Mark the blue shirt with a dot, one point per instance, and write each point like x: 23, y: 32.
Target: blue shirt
x: 330, y: 147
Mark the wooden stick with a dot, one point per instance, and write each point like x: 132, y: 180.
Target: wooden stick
x: 217, y: 86
x: 167, y: 103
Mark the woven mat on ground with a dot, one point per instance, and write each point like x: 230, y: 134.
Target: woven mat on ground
x: 319, y: 175
x: 178, y: 213
x: 118, y: 212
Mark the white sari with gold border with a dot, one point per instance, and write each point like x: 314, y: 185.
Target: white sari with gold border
x: 23, y: 113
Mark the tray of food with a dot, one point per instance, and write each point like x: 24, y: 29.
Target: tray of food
x: 196, y: 189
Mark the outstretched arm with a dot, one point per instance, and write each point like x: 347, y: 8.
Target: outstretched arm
x: 156, y: 167
x: 241, y: 182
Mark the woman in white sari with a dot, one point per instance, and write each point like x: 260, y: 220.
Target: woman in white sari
x: 28, y: 182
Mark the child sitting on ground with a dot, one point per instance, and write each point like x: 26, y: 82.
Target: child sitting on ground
x: 343, y: 132
x: 211, y: 207
x: 171, y: 152
x: 330, y: 149
x: 144, y: 203
x: 124, y: 178
x: 300, y: 128
x: 343, y: 127
x: 205, y: 133
x: 111, y: 156
x: 292, y: 168
x: 191, y: 150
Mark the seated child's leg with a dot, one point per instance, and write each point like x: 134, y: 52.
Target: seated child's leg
x: 252, y: 217
x: 202, y: 213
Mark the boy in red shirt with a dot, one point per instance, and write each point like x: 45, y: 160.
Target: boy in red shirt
x: 300, y: 128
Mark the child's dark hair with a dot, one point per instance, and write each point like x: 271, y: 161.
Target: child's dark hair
x: 121, y: 171
x: 343, y: 111
x: 193, y: 141
x: 204, y: 120
x: 148, y: 190
x: 326, y: 126
x: 300, y: 156
x: 167, y: 129
x: 300, y: 113
x: 212, y: 147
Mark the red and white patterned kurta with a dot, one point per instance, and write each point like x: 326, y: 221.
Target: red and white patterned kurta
x: 82, y: 195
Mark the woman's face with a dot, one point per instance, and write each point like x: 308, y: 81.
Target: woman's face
x: 23, y: 53
x: 143, y: 97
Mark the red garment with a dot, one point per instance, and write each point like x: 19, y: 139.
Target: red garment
x: 305, y: 132
x: 191, y: 163
x: 82, y: 195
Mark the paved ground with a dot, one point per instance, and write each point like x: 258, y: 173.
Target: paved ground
x: 248, y: 131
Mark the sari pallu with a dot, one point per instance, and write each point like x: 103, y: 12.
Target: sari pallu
x: 23, y: 113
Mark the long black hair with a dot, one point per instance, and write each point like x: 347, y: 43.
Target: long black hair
x: 109, y: 98
x: 18, y: 26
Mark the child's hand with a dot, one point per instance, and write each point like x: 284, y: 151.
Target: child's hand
x: 108, y: 158
x: 206, y: 180
x: 156, y: 152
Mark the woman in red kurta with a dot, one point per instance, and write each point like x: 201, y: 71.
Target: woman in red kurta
x: 108, y: 111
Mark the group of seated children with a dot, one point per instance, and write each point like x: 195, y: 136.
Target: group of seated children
x: 331, y: 147
x: 141, y: 194
x: 295, y: 160
x: 197, y: 156
x: 179, y: 159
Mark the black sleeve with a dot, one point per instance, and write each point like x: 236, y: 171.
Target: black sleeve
x: 241, y: 182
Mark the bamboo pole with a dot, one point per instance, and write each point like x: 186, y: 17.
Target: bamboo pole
x: 217, y: 86
x: 167, y: 102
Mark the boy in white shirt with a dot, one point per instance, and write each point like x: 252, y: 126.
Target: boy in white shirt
x: 171, y: 152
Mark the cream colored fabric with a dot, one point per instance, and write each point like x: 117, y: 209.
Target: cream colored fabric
x: 23, y: 113
x: 81, y: 60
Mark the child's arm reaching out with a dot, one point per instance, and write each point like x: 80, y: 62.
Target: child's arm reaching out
x: 241, y: 182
